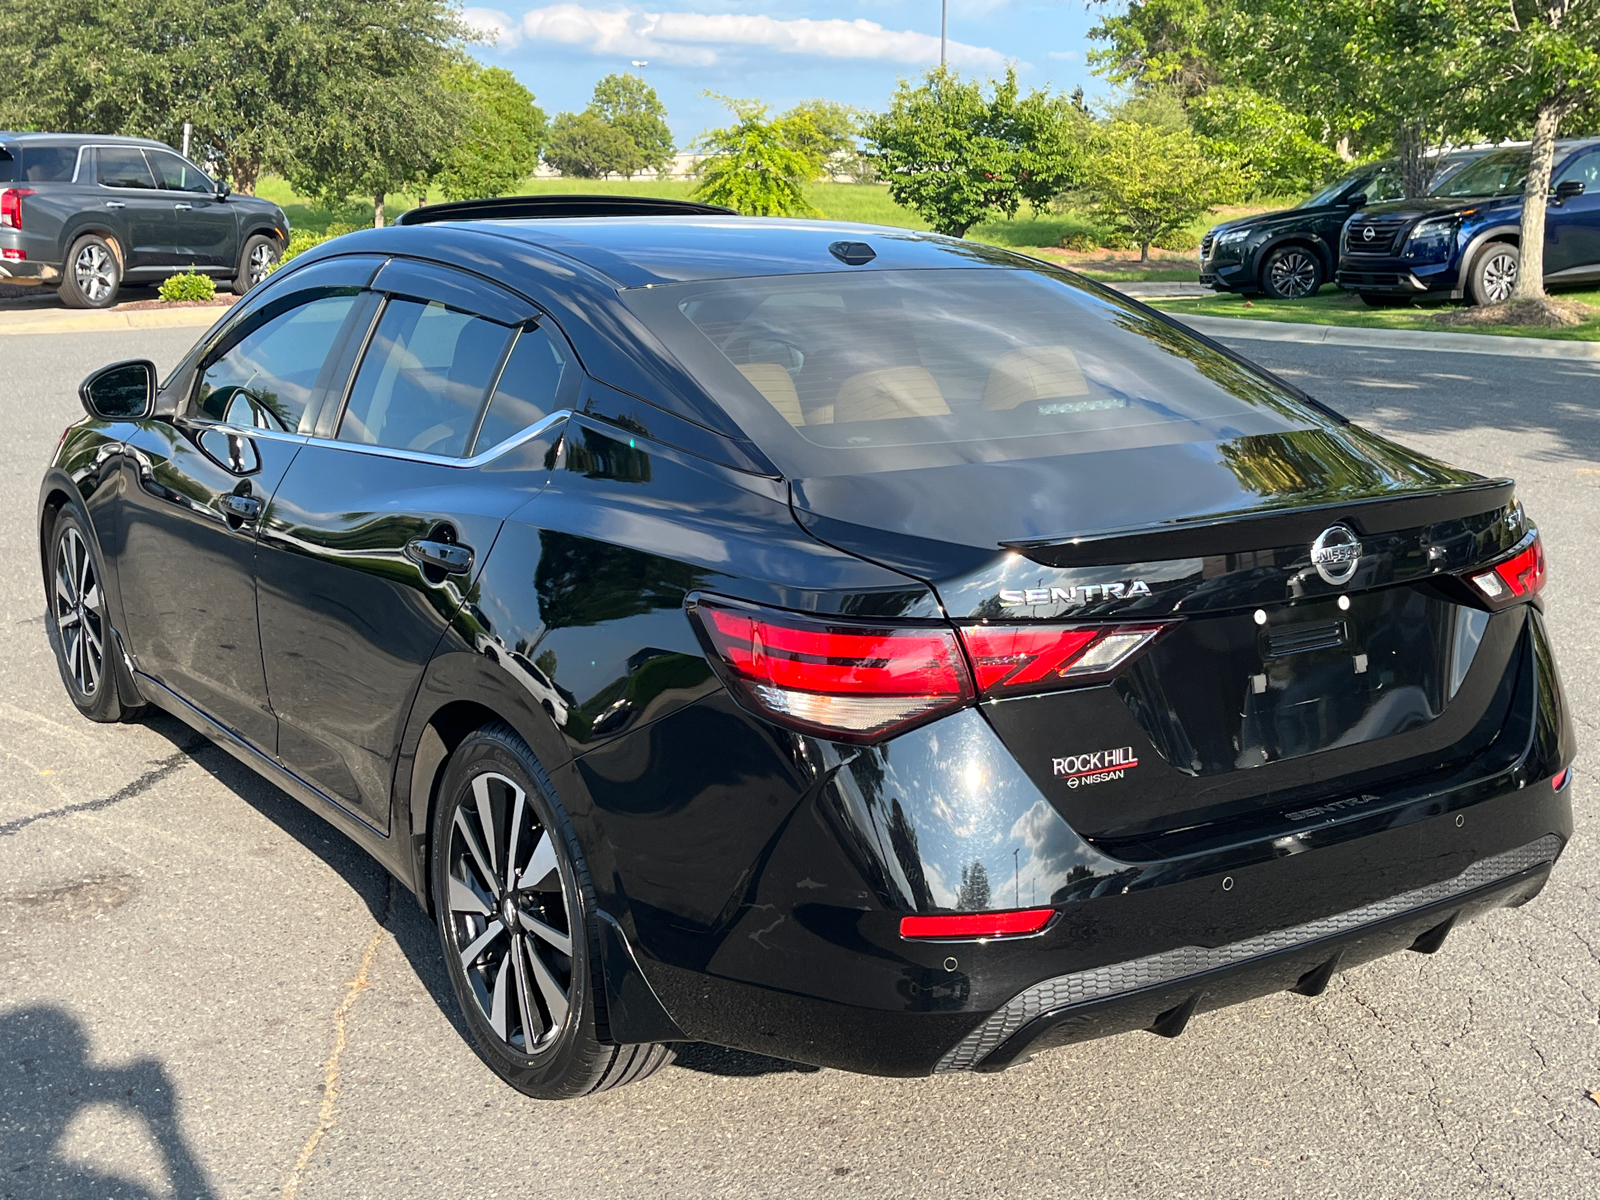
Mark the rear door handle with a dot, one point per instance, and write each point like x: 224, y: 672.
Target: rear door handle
x: 246, y: 508
x: 182, y: 207
x: 449, y: 557
x: 115, y: 204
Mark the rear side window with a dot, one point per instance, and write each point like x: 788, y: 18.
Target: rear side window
x: 529, y: 388
x: 175, y: 174
x: 267, y: 378
x: 423, y: 379
x: 883, y: 370
x: 48, y: 164
x: 122, y: 167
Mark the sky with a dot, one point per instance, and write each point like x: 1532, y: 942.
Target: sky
x: 777, y: 51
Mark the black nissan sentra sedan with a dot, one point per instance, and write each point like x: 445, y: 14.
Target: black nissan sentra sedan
x: 852, y: 645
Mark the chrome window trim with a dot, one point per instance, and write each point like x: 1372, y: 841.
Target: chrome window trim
x: 442, y: 460
x: 249, y: 431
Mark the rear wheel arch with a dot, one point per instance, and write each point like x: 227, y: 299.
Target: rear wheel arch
x: 49, y: 508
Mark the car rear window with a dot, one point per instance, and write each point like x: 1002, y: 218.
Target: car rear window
x: 842, y: 373
x: 48, y: 164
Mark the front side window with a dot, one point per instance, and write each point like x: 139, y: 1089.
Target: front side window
x: 1584, y: 169
x: 266, y: 380
x: 176, y: 174
x: 1497, y: 174
x: 1385, y: 185
x: 423, y: 379
x: 122, y: 167
x: 1333, y: 191
x: 885, y: 370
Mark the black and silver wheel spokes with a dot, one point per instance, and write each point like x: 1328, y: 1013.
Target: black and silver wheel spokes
x: 1293, y: 275
x: 79, y: 619
x: 94, y: 272
x: 1499, y: 278
x: 509, y: 914
x: 260, y: 263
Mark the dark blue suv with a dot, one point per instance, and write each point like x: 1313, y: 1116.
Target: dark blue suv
x: 1463, y: 241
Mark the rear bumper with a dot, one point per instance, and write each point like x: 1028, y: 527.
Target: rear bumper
x: 28, y: 272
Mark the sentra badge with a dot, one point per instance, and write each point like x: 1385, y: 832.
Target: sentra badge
x: 1086, y: 594
x: 1097, y: 766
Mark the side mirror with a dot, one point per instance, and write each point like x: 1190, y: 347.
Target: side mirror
x: 223, y: 190
x: 124, y: 391
x: 1359, y: 200
x: 1568, y: 188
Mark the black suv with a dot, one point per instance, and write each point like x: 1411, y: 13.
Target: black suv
x: 1292, y: 253
x: 88, y: 213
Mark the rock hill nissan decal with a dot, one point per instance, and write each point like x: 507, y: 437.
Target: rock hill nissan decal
x: 1097, y: 766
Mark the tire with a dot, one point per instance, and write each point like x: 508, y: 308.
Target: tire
x: 92, y: 274
x: 522, y: 952
x: 1292, y: 273
x: 258, y: 253
x: 87, y: 651
x: 1375, y: 301
x: 1494, y: 273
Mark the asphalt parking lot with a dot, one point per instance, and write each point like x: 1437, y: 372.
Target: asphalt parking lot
x: 206, y: 992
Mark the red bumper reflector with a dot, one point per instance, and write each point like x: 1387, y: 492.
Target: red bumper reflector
x: 14, y: 255
x: 1560, y: 781
x: 977, y: 925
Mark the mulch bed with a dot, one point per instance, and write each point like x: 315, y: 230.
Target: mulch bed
x: 1537, y: 314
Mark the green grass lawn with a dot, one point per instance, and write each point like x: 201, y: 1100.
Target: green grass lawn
x: 1332, y: 307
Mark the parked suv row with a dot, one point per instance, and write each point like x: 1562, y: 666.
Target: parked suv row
x: 1290, y: 254
x: 87, y: 213
x: 1464, y: 239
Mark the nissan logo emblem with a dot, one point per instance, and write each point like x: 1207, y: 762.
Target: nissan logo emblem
x: 1336, y: 554
x: 1368, y: 233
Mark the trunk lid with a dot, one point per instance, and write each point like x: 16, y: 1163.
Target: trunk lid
x: 1280, y: 695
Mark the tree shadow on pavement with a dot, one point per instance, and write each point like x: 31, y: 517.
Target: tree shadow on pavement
x: 47, y: 1081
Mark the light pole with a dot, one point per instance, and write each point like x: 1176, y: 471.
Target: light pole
x: 944, y: 24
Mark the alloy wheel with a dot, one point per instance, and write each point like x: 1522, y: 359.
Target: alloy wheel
x: 77, y: 602
x: 95, y: 272
x: 511, y: 917
x: 260, y: 263
x: 1293, y: 275
x: 1499, y: 277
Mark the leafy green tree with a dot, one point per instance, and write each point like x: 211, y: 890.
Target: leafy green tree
x: 630, y: 105
x: 959, y: 157
x: 503, y: 134
x: 1159, y: 42
x: 754, y: 166
x: 1273, y: 143
x: 827, y: 131
x: 1538, y: 66
x: 587, y: 147
x: 144, y: 67
x: 1148, y: 183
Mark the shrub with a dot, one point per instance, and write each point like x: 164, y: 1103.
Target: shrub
x: 188, y: 286
x: 1181, y: 240
x: 1081, y: 241
x: 1150, y: 183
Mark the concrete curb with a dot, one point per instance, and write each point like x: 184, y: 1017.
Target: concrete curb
x: 111, y: 321
x: 1390, y: 339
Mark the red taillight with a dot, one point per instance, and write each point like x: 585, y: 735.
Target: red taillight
x: 856, y: 682
x: 1520, y: 577
x: 1011, y: 659
x: 838, y: 678
x: 11, y: 207
x: 977, y: 925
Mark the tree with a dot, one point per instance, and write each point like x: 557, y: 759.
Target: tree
x: 826, y: 131
x: 144, y: 67
x: 959, y: 157
x: 1274, y: 144
x: 1540, y: 63
x: 1149, y: 182
x: 586, y: 147
x: 974, y: 893
x: 503, y: 135
x: 631, y: 106
x: 753, y: 165
x: 1165, y: 42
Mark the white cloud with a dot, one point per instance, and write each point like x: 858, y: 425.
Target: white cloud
x: 1065, y: 55
x: 701, y: 39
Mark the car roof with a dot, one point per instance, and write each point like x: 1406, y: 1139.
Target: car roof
x: 643, y: 251
x: 78, y: 139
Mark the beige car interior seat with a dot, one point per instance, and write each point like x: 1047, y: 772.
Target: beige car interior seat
x: 773, y: 381
x: 1034, y: 373
x: 888, y: 394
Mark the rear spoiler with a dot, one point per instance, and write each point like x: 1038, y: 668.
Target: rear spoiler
x: 522, y: 208
x: 1243, y: 532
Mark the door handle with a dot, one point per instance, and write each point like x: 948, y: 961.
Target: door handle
x: 182, y: 207
x: 115, y: 204
x: 246, y: 508
x: 449, y: 557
